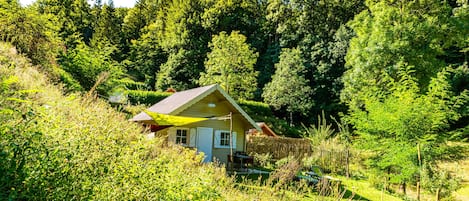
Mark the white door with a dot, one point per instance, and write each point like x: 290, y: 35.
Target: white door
x: 204, y: 142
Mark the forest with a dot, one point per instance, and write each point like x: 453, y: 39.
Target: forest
x: 392, y: 75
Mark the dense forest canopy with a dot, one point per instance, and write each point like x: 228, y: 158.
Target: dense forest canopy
x: 346, y: 47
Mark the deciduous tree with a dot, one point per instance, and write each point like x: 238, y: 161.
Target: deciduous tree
x: 289, y: 88
x: 392, y: 32
x: 394, y: 123
x: 231, y: 64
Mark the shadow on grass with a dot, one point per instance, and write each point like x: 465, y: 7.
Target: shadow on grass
x: 261, y: 179
x: 353, y: 196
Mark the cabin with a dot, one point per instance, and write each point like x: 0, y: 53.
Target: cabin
x: 218, y: 114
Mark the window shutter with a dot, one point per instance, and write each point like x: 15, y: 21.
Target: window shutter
x: 193, y: 136
x: 218, y: 139
x: 233, y: 135
x: 172, y: 135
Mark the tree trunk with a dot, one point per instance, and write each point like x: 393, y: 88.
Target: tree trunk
x: 438, y: 193
x: 291, y: 119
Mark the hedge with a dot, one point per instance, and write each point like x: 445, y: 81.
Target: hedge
x: 131, y: 85
x: 145, y: 97
x: 254, y: 108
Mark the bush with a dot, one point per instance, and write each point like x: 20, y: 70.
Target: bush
x: 263, y: 160
x: 329, y: 149
x: 284, y: 173
x: 261, y: 112
x: 284, y: 161
x: 69, y: 82
x: 145, y: 97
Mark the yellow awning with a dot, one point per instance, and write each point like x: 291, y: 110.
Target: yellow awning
x: 171, y: 120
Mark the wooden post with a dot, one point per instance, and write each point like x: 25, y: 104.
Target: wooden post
x: 231, y: 134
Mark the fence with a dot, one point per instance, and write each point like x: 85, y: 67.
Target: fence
x: 279, y: 147
x: 330, y: 155
x: 331, y: 158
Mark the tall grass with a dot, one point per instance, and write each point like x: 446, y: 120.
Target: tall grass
x: 329, y: 148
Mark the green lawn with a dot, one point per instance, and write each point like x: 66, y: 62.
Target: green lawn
x: 363, y: 190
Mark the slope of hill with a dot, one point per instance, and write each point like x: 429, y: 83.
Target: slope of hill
x: 60, y: 147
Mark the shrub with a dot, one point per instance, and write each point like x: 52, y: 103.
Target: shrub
x: 261, y: 112
x: 263, y: 160
x: 440, y: 182
x: 285, y: 173
x: 69, y: 82
x: 329, y: 150
x: 145, y: 97
x: 284, y: 161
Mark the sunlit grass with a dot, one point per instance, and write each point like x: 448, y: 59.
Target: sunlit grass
x: 364, y: 191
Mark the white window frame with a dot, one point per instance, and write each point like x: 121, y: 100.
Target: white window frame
x: 219, y: 139
x: 181, y: 137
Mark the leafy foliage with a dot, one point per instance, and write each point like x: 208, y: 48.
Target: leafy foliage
x: 86, y: 64
x: 391, y: 34
x: 231, y: 64
x: 33, y: 34
x: 393, y: 124
x: 73, y: 17
x: 145, y: 97
x: 173, y: 71
x: 289, y: 88
x: 253, y: 108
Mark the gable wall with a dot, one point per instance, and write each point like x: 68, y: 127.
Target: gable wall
x: 222, y: 108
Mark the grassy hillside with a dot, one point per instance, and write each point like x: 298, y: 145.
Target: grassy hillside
x: 62, y: 147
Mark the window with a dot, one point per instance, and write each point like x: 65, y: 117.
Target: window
x: 181, y: 136
x: 222, y: 139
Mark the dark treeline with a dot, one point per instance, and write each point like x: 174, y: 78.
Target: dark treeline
x: 300, y: 57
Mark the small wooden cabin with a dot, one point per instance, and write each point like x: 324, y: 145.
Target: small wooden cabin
x: 211, y: 136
